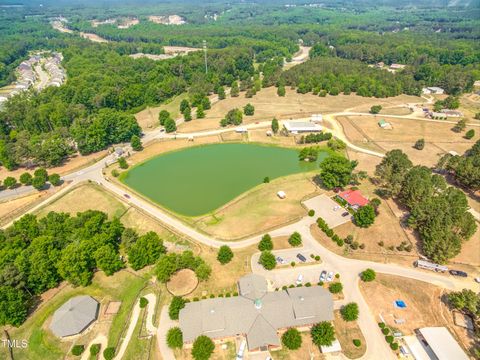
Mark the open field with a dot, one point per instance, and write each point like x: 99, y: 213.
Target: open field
x: 439, y: 138
x: 424, y: 308
x: 269, y: 105
x: 260, y: 209
x: 10, y: 210
x: 122, y: 286
x: 86, y: 197
x: 346, y: 332
x: 148, y: 118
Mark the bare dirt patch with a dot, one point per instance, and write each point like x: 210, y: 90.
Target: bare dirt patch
x: 346, y: 332
x: 93, y: 37
x: 268, y: 105
x: 425, y: 306
x: 182, y: 282
x: 260, y: 209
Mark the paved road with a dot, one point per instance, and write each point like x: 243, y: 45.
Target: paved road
x: 165, y: 324
x: 347, y: 268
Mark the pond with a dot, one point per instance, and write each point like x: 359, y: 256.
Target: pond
x: 197, y: 180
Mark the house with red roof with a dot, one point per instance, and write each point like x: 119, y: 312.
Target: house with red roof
x: 353, y: 198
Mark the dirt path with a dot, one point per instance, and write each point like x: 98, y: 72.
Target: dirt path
x: 100, y: 339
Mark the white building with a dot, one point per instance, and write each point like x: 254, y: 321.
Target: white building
x: 317, y: 118
x: 434, y: 343
x: 433, y: 90
x: 295, y: 127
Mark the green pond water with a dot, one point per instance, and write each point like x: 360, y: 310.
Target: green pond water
x: 198, y: 180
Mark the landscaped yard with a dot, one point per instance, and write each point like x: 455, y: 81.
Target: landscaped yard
x: 346, y: 332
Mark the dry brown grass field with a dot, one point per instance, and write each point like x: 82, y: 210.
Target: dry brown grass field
x: 148, y: 118
x: 269, y: 105
x: 439, y: 137
x: 260, y: 209
x: 424, y: 308
x: 9, y: 210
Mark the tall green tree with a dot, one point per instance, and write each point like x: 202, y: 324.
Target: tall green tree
x: 323, y: 334
x: 336, y: 171
x: 145, y: 251
x: 392, y: 170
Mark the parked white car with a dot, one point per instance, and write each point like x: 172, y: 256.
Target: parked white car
x: 323, y: 276
x: 299, y: 279
x: 330, y: 276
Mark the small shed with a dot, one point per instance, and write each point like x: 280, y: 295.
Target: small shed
x: 74, y: 316
x: 384, y: 124
x: 281, y: 194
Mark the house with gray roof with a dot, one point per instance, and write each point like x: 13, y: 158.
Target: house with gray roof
x: 256, y: 313
x: 74, y: 316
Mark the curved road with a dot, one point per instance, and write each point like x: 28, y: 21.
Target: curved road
x: 348, y: 268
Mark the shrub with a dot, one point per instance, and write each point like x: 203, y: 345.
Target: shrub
x: 115, y: 173
x: 266, y: 243
x: 249, y: 109
x: 38, y: 182
x: 212, y: 296
x: 284, y: 287
x: 225, y: 254
x: 228, y: 295
x: 202, y: 348
x: 122, y: 163
x: 349, y: 312
x: 317, y: 257
x: 320, y: 283
x: 267, y: 260
x: 10, y: 182
x: 368, y: 275
x: 136, y: 143
x: 365, y: 216
x: 54, y: 179
x: 470, y: 134
x: 381, y: 325
x: 329, y: 232
x: 41, y: 173
x: 323, y: 334
x: 337, y: 276
x: 266, y: 180
x: 95, y: 350
x: 354, y: 245
x: 26, y: 179
x: 175, y: 338
x: 292, y: 264
x: 311, y: 212
x: 308, y: 284
x: 357, y: 342
x: 375, y: 109
x: 235, y: 293
x: 176, y: 305
x: 340, y: 242
x: 195, y: 299
x: 335, y: 288
x: 109, y: 353
x: 292, y: 339
x: 389, y: 339
x: 385, y: 331
x: 77, y: 350
x: 381, y: 243
x: 420, y: 144
x: 143, y: 302
x: 295, y: 239
x: 394, y: 346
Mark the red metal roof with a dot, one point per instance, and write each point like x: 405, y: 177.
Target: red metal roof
x: 353, y: 197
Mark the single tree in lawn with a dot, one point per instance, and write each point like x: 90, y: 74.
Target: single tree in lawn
x: 323, y: 334
x: 375, y: 109
x: 163, y: 116
x: 275, y: 125
x: 200, y: 112
x: 202, y: 348
x: 281, y: 90
x: 368, y: 275
x: 175, y: 338
x: 183, y: 105
x: 292, y: 339
x: 349, y: 312
x: 26, y: 179
x: 177, y: 304
x: 170, y: 125
x: 266, y: 243
x: 122, y: 162
x: 249, y: 109
x: 420, y: 144
x: 295, y: 239
x: 136, y: 143
x: 470, y: 134
x: 335, y: 287
x: 267, y: 260
x: 225, y: 254
x: 365, y: 216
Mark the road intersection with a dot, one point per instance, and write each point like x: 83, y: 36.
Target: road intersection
x: 349, y: 269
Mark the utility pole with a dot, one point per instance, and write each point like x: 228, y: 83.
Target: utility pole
x: 205, y: 53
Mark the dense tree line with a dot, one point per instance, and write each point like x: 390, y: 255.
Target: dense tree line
x: 437, y: 211
x: 37, y: 254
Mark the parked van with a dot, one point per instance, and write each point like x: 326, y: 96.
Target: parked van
x: 299, y: 279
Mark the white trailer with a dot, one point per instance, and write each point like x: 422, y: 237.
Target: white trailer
x: 423, y: 264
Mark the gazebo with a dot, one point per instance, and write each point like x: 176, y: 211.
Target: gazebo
x: 74, y: 316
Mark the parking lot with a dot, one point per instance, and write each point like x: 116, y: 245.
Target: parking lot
x: 288, y: 277
x: 328, y: 210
